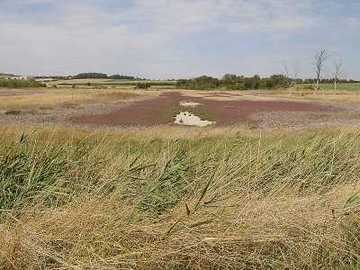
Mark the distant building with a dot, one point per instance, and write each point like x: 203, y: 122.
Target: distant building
x: 18, y: 77
x: 46, y: 79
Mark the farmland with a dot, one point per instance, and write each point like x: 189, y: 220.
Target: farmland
x: 340, y: 87
x: 109, y: 83
x: 172, y: 84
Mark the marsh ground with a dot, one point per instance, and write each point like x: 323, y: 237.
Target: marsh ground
x: 146, y: 194
x: 124, y: 108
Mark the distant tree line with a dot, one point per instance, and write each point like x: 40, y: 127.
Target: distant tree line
x: 7, y: 75
x: 94, y: 75
x: 13, y: 83
x: 123, y: 77
x: 91, y: 76
x: 235, y: 82
x: 325, y: 81
x: 53, y: 77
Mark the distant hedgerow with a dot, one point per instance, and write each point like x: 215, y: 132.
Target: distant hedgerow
x: 12, y: 83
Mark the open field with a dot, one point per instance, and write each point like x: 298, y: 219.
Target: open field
x: 110, y: 83
x: 171, y: 84
x: 104, y: 179
x: 124, y: 108
x: 38, y: 98
x: 47, y: 105
x: 161, y: 110
x: 340, y: 86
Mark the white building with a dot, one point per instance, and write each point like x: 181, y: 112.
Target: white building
x: 20, y: 78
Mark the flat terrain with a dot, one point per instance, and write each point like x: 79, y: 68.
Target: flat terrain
x: 126, y: 108
x: 104, y: 179
x: 162, y: 109
x: 341, y: 86
x: 109, y: 83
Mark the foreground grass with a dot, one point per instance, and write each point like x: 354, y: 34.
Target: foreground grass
x: 72, y: 200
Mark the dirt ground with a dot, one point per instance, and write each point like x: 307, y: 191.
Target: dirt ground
x: 226, y: 109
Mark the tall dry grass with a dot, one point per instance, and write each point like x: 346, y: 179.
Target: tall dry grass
x: 72, y: 200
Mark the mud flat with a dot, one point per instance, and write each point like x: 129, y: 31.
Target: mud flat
x: 162, y: 110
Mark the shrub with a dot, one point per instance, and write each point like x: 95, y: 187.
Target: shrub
x: 91, y: 76
x: 12, y: 83
x: 308, y: 87
x: 253, y: 82
x: 143, y: 85
x: 234, y: 82
x: 122, y: 77
x: 201, y: 83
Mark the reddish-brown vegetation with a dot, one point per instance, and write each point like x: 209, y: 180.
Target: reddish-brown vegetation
x: 162, y: 109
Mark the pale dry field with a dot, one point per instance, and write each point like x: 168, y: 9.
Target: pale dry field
x: 14, y: 99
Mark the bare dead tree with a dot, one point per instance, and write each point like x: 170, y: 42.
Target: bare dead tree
x: 292, y: 75
x: 285, y: 69
x: 320, y: 59
x: 338, y: 65
x: 286, y: 72
x: 296, y: 71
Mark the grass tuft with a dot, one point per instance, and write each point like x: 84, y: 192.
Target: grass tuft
x: 79, y: 200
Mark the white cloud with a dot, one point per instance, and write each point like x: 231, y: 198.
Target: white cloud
x: 145, y: 36
x: 188, y: 16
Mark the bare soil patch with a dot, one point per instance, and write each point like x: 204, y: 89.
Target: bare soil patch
x: 162, y: 110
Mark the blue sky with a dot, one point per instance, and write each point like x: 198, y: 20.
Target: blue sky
x: 178, y: 38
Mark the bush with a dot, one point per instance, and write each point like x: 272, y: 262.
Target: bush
x: 143, y: 86
x: 201, y: 83
x: 278, y: 81
x: 253, y: 82
x: 234, y: 82
x: 12, y: 83
x: 306, y: 87
x: 91, y: 76
x: 122, y: 77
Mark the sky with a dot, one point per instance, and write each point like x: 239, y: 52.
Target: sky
x: 164, y: 39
